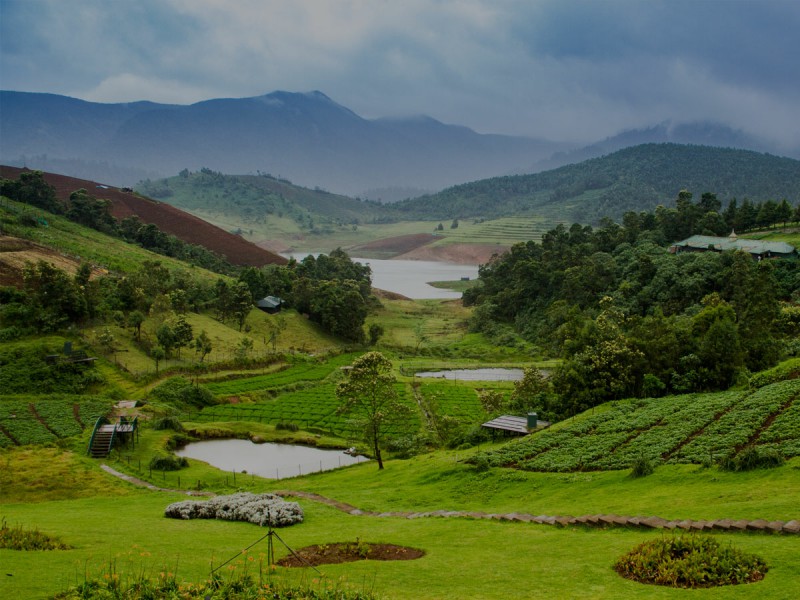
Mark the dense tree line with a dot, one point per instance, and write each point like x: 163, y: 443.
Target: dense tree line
x: 631, y: 319
x: 332, y: 290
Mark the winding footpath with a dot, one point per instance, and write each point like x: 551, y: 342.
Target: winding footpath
x: 757, y: 525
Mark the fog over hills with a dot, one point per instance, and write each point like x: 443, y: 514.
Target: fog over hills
x: 305, y: 137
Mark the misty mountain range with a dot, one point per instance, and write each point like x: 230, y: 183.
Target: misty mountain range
x: 304, y: 137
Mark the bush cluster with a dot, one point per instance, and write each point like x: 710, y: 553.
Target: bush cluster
x: 642, y: 467
x: 690, y: 562
x: 260, y: 509
x: 168, y: 462
x: 18, y: 538
x: 751, y: 458
x: 172, y: 423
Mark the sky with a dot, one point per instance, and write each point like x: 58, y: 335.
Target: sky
x: 565, y: 70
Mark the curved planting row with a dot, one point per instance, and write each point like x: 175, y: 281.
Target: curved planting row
x: 307, y: 408
x: 738, y: 426
x: 32, y: 420
x: 280, y: 379
x: 691, y: 428
x: 453, y: 400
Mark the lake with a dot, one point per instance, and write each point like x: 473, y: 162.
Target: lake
x: 271, y: 461
x: 410, y: 277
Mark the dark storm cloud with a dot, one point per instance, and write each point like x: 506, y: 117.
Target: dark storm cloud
x: 574, y: 70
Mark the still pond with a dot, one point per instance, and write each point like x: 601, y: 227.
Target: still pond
x: 271, y: 461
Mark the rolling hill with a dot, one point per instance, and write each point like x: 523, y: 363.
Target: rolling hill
x: 166, y: 217
x: 636, y: 178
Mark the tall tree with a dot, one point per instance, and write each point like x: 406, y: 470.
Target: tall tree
x: 368, y: 395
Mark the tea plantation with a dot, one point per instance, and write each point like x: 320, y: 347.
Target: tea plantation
x: 695, y: 428
x: 40, y: 420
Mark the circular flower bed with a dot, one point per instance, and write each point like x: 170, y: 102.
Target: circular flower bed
x: 329, y: 554
x: 690, y: 562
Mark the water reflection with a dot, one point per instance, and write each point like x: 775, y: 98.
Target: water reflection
x: 271, y: 461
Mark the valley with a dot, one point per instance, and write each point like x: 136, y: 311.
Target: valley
x: 514, y: 518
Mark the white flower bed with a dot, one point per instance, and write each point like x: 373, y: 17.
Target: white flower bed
x: 253, y: 508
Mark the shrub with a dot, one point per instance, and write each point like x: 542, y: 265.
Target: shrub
x: 408, y: 445
x: 752, y: 457
x: 168, y: 462
x: 690, y: 562
x: 260, y: 509
x: 179, y: 440
x: 8, y: 334
x: 167, y: 423
x: 642, y: 467
x: 17, y: 538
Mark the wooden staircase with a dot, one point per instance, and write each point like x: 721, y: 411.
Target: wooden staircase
x: 102, y: 441
x: 106, y: 434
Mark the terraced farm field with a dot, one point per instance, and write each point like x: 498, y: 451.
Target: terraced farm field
x: 37, y: 420
x: 459, y: 401
x: 313, y: 408
x: 508, y: 230
x: 679, y: 429
x: 299, y: 373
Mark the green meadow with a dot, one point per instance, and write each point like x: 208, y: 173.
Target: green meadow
x: 114, y: 527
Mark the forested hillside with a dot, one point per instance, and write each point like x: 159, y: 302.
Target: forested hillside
x: 636, y: 178
x: 255, y: 199
x: 632, y: 319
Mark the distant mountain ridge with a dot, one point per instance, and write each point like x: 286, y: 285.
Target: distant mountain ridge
x: 305, y: 137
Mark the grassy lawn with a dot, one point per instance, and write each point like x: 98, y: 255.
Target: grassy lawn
x: 440, y: 481
x: 464, y: 558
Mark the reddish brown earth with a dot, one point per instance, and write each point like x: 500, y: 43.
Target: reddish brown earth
x: 418, y: 246
x: 332, y: 554
x: 166, y: 217
x: 397, y: 245
x: 465, y: 254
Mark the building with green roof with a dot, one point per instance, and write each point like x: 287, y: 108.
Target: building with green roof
x: 757, y: 248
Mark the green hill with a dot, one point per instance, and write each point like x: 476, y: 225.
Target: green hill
x: 636, y: 178
x: 250, y: 201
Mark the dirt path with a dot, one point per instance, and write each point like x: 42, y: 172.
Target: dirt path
x: 141, y: 483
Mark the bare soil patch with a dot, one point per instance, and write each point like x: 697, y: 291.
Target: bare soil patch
x: 464, y: 254
x: 397, y: 245
x: 342, y: 552
x: 16, y: 252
